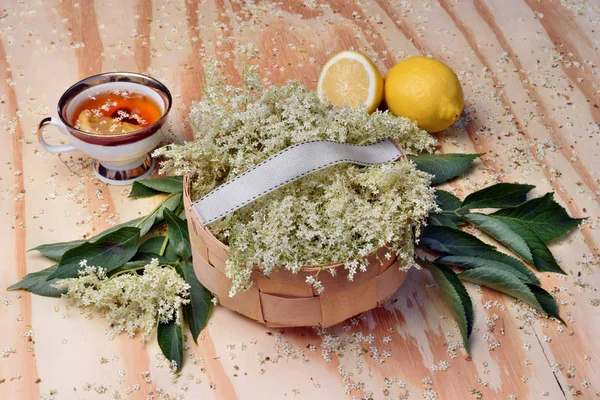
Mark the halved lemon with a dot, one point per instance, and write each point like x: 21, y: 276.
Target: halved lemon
x: 350, y: 78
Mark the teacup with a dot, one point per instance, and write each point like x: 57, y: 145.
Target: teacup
x: 119, y: 158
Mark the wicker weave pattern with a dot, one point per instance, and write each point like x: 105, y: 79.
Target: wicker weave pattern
x: 284, y: 299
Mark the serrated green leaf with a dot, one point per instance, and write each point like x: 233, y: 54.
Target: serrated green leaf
x: 446, y: 200
x: 501, y: 281
x: 517, y: 264
x: 452, y: 241
x: 55, y: 251
x: 110, y: 252
x: 498, y: 196
x: 38, y: 283
x: 178, y: 234
x: 196, y: 312
x: 475, y: 262
x: 171, y: 203
x: 548, y: 303
x: 147, y: 223
x: 501, y: 232
x: 457, y: 296
x: 543, y: 260
x: 443, y: 167
x: 154, y: 186
x: 542, y: 215
x: 138, y: 190
x: 170, y: 341
x: 442, y: 220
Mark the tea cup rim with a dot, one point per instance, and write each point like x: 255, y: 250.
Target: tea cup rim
x: 68, y: 94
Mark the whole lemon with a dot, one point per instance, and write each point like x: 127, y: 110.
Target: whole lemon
x: 424, y: 90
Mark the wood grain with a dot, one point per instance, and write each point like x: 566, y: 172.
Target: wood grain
x: 529, y: 70
x: 14, y: 232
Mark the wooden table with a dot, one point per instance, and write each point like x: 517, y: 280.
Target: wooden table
x: 529, y: 70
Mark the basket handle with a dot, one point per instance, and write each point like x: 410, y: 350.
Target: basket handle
x: 285, y: 167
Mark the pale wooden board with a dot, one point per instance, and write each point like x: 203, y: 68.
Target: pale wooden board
x: 529, y: 72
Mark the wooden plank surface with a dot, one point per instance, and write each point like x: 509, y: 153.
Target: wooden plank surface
x: 529, y: 70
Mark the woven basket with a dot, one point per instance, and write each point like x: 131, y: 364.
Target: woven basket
x: 284, y: 299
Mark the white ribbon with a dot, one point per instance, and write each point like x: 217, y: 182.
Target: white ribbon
x: 285, y: 167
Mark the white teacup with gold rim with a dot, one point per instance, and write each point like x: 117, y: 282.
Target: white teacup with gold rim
x: 116, y: 119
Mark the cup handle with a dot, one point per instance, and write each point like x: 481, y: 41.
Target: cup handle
x: 62, y: 128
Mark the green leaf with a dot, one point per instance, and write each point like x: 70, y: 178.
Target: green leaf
x: 443, y: 167
x: 543, y: 260
x: 38, y: 283
x: 501, y: 232
x: 138, y: 190
x: 495, y: 255
x: 152, y: 245
x: 457, y: 242
x: 170, y: 204
x: 542, y: 215
x: 475, y: 262
x: 453, y: 241
x: 442, y: 220
x: 197, y: 310
x: 178, y: 234
x: 131, y: 223
x: 151, y: 187
x: 498, y: 196
x: 147, y: 223
x: 457, y: 297
x: 446, y: 200
x: 170, y: 341
x: 548, y: 303
x: 110, y: 252
x: 151, y: 249
x: 55, y: 251
x: 501, y: 281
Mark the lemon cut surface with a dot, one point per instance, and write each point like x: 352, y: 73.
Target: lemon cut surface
x: 350, y: 78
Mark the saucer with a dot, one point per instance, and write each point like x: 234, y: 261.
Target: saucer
x: 123, y: 177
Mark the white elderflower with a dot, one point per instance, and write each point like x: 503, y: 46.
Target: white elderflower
x: 129, y: 302
x: 339, y: 214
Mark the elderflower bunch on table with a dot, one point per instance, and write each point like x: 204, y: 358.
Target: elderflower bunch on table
x: 335, y: 215
x: 129, y: 302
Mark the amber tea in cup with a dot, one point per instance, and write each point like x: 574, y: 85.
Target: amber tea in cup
x: 115, y: 112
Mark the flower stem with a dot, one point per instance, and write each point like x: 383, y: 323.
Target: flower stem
x: 126, y: 271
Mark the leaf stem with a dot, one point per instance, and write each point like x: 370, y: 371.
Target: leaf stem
x: 454, y: 213
x: 164, y: 245
x: 179, y: 209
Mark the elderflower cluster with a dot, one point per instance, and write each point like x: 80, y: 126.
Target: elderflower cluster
x: 129, y: 302
x: 337, y: 214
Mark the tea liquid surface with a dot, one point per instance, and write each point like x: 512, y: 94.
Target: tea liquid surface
x: 115, y: 112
